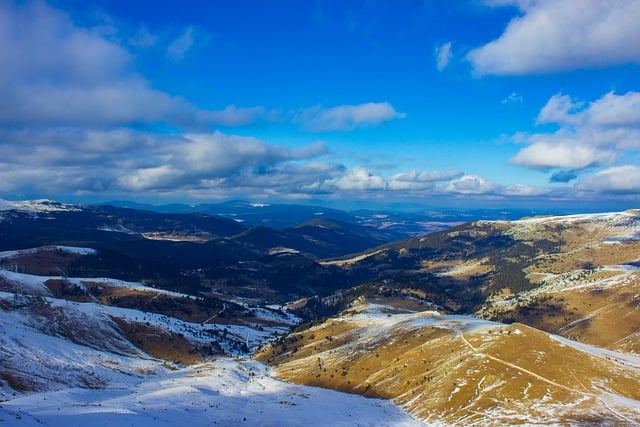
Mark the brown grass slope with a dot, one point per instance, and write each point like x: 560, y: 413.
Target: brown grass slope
x: 588, y: 290
x: 461, y: 370
x: 577, y: 276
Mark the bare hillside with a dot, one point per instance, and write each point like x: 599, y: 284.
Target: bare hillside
x: 577, y: 276
x: 461, y: 370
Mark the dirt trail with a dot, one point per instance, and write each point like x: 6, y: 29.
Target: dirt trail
x: 546, y: 380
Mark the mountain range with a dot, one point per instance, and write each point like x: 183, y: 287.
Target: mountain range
x: 487, y: 322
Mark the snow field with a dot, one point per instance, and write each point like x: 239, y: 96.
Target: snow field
x: 226, y: 392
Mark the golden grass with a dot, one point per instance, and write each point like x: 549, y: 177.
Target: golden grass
x: 162, y: 344
x: 440, y: 374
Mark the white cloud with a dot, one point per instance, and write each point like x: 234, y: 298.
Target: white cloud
x: 520, y: 190
x: 589, y: 134
x: 357, y: 179
x: 560, y: 109
x: 414, y: 180
x: 116, y: 160
x: 471, y: 185
x: 616, y: 110
x: 213, y: 165
x: 55, y: 73
x: 620, y: 179
x: 553, y: 35
x: 197, y: 159
x: 159, y: 177
x: 218, y: 154
x: 443, y: 56
x: 178, y: 48
x: 555, y: 152
x: 346, y: 117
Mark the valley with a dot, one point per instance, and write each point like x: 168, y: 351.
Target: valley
x: 121, y: 313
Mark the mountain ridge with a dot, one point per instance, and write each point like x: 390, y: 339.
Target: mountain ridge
x: 484, y: 323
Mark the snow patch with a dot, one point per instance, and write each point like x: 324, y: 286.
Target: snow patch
x: 226, y: 392
x: 41, y: 205
x: 26, y: 283
x: 31, y: 251
x: 612, y: 356
x: 119, y: 228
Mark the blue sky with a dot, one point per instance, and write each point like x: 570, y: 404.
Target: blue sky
x: 497, y: 103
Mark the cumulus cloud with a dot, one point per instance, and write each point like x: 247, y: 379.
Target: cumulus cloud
x: 199, y: 158
x: 76, y: 117
x: 59, y: 74
x: 552, y: 36
x: 558, y: 152
x: 159, y: 177
x: 520, y: 190
x: 620, y: 179
x: 414, y: 180
x: 133, y: 161
x: 356, y: 179
x: 560, y: 109
x: 219, y: 154
x: 443, y: 56
x: 471, y: 185
x: 346, y: 117
x: 205, y: 165
x: 614, y: 110
x: 591, y: 134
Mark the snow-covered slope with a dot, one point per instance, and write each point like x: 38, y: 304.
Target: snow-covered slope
x: 35, y: 354
x: 225, y: 393
x: 608, y: 227
x: 91, y: 316
x: 41, y: 205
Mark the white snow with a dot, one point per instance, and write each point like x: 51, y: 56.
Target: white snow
x: 85, y: 386
x: 226, y: 393
x: 378, y: 321
x: 30, y: 283
x: 378, y: 315
x: 30, y: 251
x: 41, y: 205
x: 76, y: 250
x: 634, y: 235
x: 51, y: 362
x: 276, y: 315
x: 119, y: 228
x: 607, y: 216
x: 26, y: 282
x: 116, y: 283
x: 623, y: 359
x: 621, y: 226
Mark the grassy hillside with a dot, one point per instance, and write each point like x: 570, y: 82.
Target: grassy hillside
x: 461, y: 370
x: 576, y: 276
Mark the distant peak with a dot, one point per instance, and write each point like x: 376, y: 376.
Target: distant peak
x: 38, y: 205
